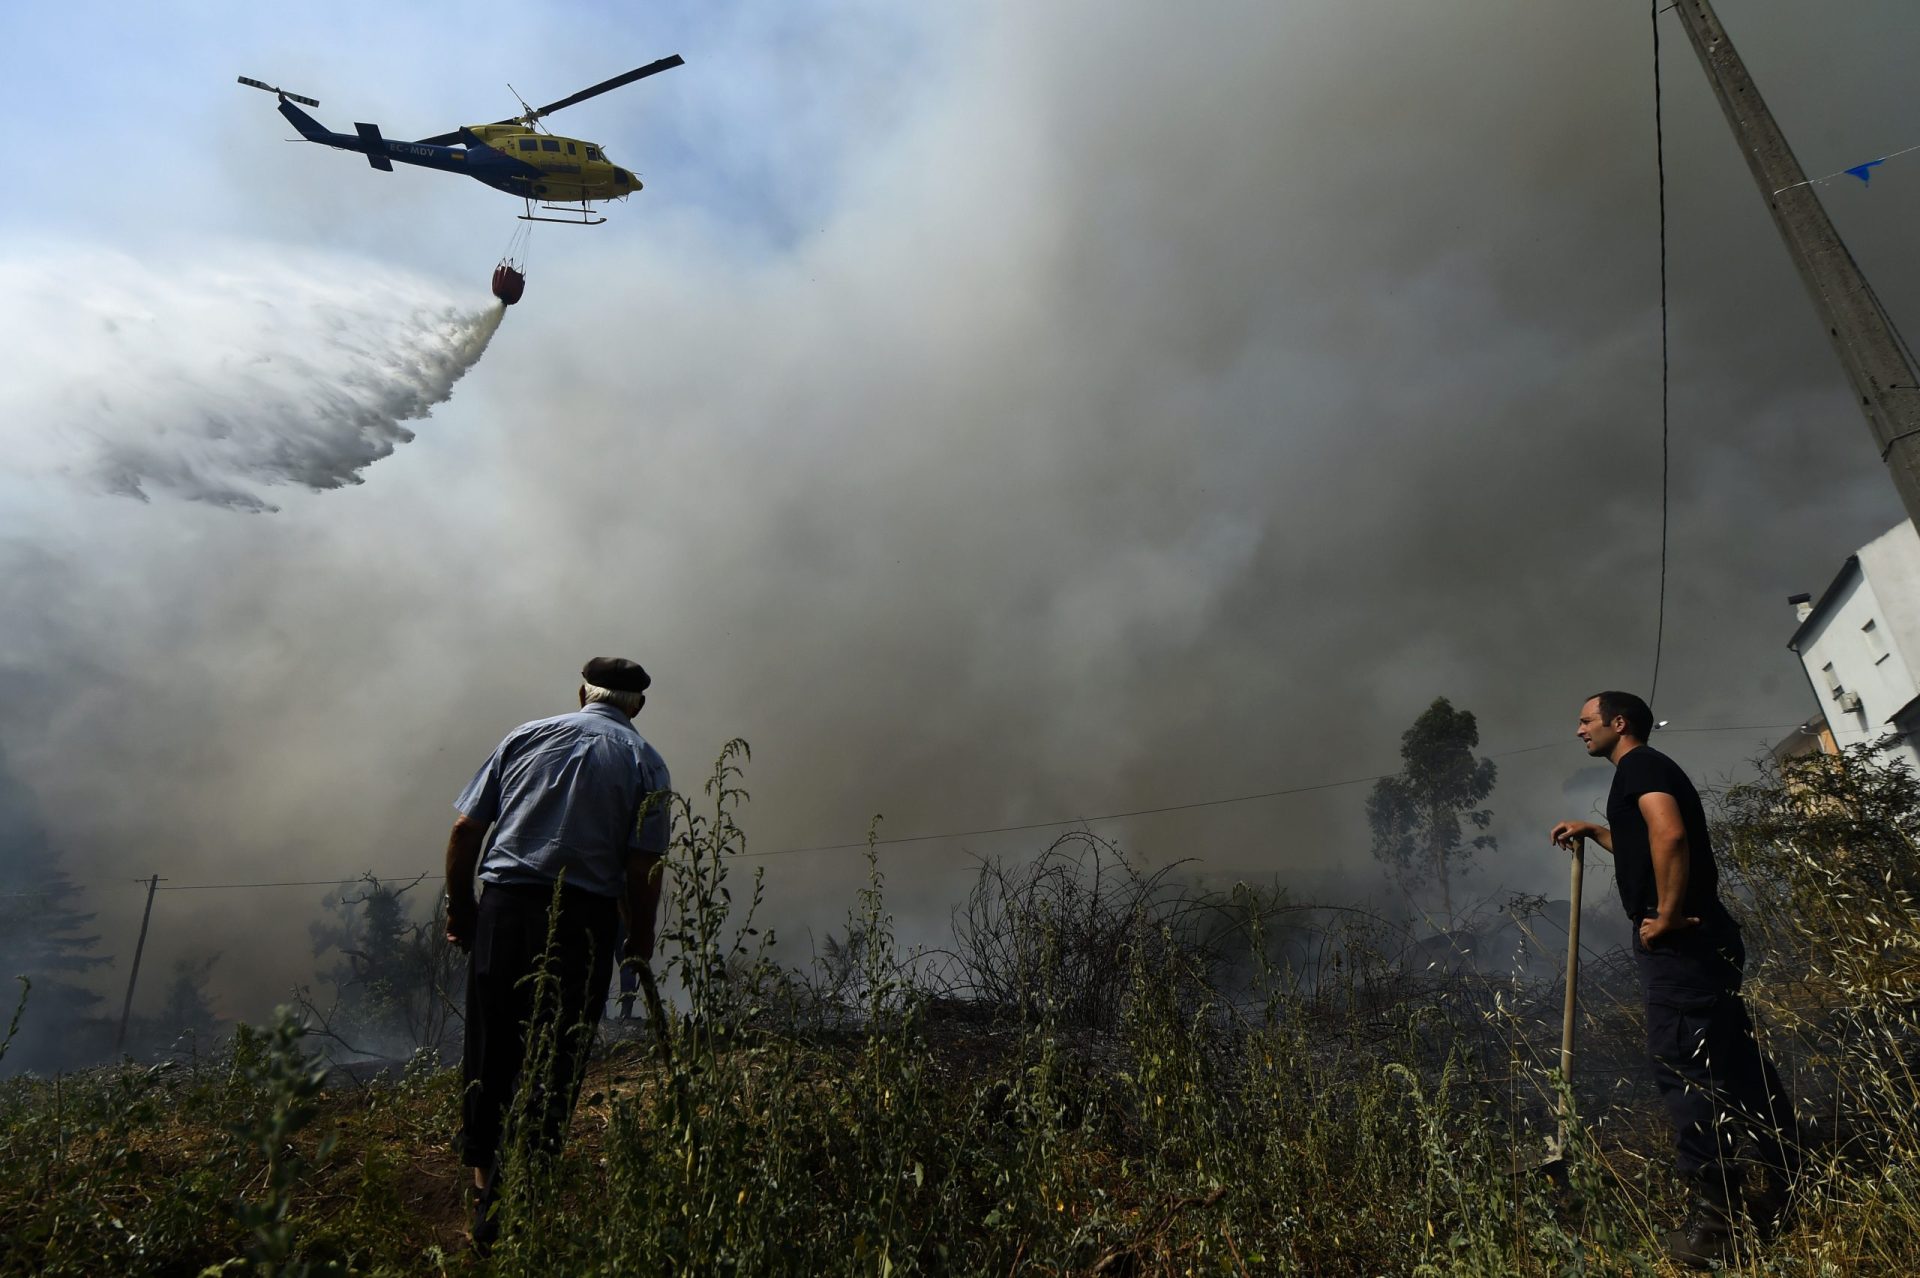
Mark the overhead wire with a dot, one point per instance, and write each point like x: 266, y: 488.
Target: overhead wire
x: 1201, y: 803
x: 1660, y: 169
x: 921, y: 838
x: 1849, y: 172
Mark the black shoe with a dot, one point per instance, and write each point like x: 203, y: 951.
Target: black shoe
x: 486, y: 1224
x: 1705, y: 1239
x: 1772, y: 1208
x: 1699, y: 1245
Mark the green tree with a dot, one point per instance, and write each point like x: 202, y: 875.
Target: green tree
x: 1420, y: 815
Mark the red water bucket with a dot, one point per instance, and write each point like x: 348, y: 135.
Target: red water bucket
x: 508, y: 284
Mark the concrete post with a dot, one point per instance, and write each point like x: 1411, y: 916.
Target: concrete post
x: 126, y: 1009
x: 1883, y: 378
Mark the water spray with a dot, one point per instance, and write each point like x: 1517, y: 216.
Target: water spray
x: 215, y: 381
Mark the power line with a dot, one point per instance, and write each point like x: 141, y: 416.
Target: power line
x: 1660, y: 168
x: 1105, y: 816
x: 203, y: 887
x: 945, y: 834
x: 1202, y: 803
x: 210, y: 887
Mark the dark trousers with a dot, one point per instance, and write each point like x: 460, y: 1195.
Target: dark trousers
x: 1720, y: 1089
x: 505, y: 1002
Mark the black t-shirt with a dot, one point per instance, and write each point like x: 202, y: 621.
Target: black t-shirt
x: 1644, y: 770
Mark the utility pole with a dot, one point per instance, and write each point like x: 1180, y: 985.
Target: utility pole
x: 126, y: 1009
x: 1883, y: 377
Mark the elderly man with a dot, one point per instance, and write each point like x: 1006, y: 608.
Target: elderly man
x: 1717, y: 1085
x: 578, y: 808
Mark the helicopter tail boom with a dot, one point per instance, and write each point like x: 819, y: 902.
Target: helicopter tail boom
x: 311, y: 129
x: 367, y: 140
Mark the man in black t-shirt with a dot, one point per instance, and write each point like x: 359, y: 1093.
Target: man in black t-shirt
x: 1717, y: 1084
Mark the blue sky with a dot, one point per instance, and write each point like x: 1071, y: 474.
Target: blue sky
x: 752, y: 137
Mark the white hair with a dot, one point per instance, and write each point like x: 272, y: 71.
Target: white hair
x: 627, y: 703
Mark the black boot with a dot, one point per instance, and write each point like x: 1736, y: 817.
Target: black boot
x: 1706, y: 1238
x: 486, y: 1224
x: 1772, y: 1206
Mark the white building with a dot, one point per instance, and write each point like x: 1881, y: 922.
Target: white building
x: 1860, y: 644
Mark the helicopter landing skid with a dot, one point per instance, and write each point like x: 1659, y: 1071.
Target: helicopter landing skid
x: 584, y: 216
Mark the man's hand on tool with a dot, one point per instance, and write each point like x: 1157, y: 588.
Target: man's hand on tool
x: 1568, y: 834
x: 460, y: 923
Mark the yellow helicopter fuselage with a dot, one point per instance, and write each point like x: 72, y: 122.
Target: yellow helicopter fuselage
x: 571, y: 169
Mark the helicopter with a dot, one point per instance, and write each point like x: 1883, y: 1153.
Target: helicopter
x: 516, y: 155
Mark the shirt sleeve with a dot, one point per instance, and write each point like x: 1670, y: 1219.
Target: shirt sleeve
x: 480, y: 801
x: 1644, y: 773
x: 653, y: 829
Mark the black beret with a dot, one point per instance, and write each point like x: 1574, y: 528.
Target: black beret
x: 616, y: 674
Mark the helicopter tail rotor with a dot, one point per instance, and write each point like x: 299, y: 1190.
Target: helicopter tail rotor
x: 291, y: 97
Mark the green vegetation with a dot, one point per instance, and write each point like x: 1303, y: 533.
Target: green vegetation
x: 1105, y: 1075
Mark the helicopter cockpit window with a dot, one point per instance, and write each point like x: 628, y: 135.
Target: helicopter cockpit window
x: 570, y: 150
x: 548, y: 144
x: 593, y: 153
x: 529, y: 144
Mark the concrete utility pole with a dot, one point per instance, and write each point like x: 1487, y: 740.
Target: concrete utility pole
x: 1883, y: 378
x: 126, y: 1009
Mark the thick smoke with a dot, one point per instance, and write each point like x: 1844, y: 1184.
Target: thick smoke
x: 211, y: 380
x: 1152, y: 406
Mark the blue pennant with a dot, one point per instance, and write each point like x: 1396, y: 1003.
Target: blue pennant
x: 1865, y: 171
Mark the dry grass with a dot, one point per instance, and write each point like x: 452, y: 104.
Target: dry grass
x: 1189, y: 1113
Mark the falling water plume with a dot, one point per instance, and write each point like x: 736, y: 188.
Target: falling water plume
x: 210, y: 381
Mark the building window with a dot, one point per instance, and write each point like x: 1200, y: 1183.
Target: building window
x: 1876, y: 642
x: 1833, y: 680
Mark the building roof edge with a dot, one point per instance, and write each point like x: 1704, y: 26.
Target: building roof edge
x: 1826, y: 597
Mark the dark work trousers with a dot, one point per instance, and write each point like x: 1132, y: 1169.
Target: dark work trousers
x: 1720, y: 1089
x: 510, y: 936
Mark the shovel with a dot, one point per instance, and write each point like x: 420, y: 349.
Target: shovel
x: 1556, y: 1163
x: 656, y: 1012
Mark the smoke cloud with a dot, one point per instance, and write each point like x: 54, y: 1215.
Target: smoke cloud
x: 213, y: 380
x: 1075, y: 412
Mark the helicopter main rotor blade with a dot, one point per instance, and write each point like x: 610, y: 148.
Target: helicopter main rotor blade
x: 606, y: 86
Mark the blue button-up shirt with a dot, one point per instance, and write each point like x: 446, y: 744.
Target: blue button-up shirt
x: 567, y: 793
